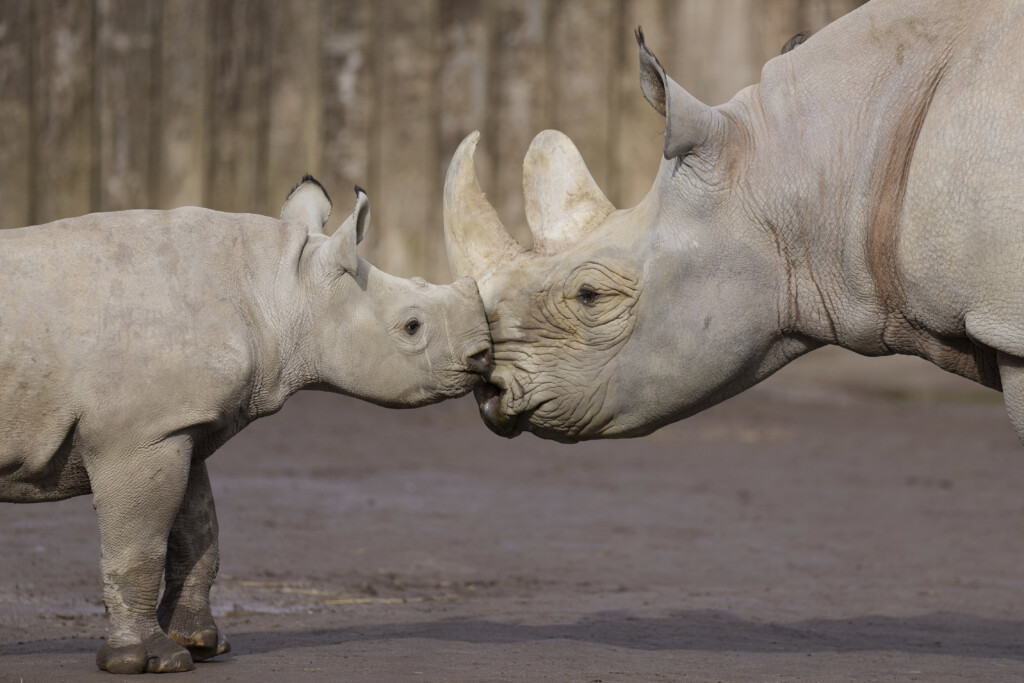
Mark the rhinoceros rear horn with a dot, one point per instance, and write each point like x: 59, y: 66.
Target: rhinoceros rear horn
x: 688, y: 121
x: 562, y: 199
x: 474, y: 236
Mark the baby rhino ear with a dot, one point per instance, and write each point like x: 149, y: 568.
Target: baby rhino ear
x: 308, y: 204
x: 340, y: 249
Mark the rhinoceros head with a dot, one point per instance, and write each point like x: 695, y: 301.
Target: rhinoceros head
x: 392, y: 341
x: 617, y: 322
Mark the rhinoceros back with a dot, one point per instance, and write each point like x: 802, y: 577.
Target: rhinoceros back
x: 123, y: 323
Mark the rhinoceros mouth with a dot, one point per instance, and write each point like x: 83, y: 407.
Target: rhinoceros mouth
x: 488, y: 398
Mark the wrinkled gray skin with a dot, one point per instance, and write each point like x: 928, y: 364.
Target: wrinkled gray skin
x: 868, y: 193
x: 133, y: 344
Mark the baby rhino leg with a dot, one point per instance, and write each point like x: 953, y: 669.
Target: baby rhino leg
x: 1011, y: 373
x: 137, y: 492
x: 192, y: 561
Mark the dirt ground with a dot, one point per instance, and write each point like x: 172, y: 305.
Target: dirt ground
x: 850, y: 519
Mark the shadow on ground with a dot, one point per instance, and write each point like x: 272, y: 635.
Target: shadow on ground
x: 697, y: 631
x: 706, y: 630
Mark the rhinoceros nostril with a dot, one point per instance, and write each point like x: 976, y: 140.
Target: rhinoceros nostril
x: 479, y: 361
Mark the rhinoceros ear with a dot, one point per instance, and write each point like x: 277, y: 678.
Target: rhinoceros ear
x: 308, y: 203
x: 340, y: 250
x: 688, y: 121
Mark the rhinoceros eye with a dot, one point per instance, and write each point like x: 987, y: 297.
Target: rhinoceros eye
x: 412, y: 327
x: 587, y: 295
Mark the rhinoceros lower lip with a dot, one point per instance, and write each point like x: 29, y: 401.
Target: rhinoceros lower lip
x: 488, y: 397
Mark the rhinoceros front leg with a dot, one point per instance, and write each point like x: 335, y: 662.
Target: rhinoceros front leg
x: 193, y: 557
x: 137, y: 491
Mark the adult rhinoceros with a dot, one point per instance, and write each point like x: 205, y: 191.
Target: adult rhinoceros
x: 869, y: 193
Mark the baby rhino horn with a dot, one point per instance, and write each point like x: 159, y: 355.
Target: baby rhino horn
x: 562, y: 200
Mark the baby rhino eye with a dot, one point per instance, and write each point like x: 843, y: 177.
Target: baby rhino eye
x: 412, y: 327
x: 587, y: 296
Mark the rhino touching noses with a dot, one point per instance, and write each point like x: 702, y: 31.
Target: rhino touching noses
x: 480, y: 361
x: 478, y: 349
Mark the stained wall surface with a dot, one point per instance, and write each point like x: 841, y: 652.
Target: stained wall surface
x: 116, y: 104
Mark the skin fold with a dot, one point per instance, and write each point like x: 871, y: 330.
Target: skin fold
x: 133, y: 344
x: 866, y: 193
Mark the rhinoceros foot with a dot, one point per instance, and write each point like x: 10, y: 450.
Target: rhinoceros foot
x: 157, y: 654
x: 202, y: 644
x: 193, y: 629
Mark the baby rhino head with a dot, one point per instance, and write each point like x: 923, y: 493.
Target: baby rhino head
x: 395, y: 342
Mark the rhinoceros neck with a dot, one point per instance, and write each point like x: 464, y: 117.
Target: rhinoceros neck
x: 280, y: 323
x: 832, y: 129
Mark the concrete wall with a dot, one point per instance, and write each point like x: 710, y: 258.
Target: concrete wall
x: 114, y: 104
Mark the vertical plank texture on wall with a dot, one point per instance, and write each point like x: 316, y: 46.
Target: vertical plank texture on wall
x: 408, y: 239
x: 638, y: 130
x: 712, y: 56
x: 62, y: 94
x: 238, y: 106
x: 816, y: 14
x: 465, y: 77
x: 348, y: 105
x: 520, y: 100
x: 293, y: 129
x: 581, y: 63
x: 15, y: 115
x: 721, y: 47
x: 182, y: 104
x: 114, y: 104
x: 124, y: 89
x: 774, y: 24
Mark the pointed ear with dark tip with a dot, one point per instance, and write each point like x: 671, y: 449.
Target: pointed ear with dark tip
x: 792, y: 43
x: 361, y: 214
x: 688, y: 121
x: 307, y: 203
x: 340, y: 250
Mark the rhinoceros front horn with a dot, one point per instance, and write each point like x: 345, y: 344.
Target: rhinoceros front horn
x: 474, y: 236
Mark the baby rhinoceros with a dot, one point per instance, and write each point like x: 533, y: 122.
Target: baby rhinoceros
x: 133, y: 344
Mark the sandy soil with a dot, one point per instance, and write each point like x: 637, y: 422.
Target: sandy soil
x: 850, y: 519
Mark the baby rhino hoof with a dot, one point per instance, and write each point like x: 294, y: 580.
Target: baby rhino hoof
x: 203, y: 644
x: 157, y: 655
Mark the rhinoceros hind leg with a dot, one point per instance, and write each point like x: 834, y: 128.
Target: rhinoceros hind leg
x: 192, y: 561
x: 137, y: 491
x: 1011, y: 373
